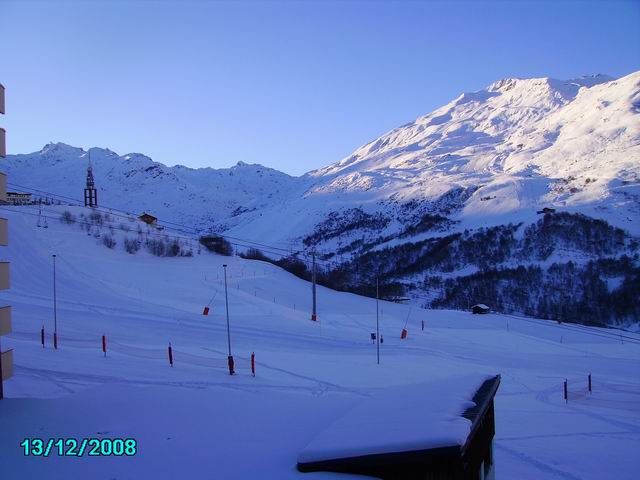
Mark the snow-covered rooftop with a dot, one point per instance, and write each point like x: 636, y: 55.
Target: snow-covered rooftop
x: 400, y: 419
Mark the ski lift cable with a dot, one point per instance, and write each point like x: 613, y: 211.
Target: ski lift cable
x: 124, y: 214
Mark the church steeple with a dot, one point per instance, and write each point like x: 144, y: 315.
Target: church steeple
x: 90, y: 193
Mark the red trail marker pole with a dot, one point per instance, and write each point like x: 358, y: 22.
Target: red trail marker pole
x: 104, y: 345
x: 589, y: 383
x: 253, y: 364
x: 566, y: 392
x: 170, y: 355
x: 42, y: 336
x: 231, y: 365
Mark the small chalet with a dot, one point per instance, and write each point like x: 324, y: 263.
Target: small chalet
x: 425, y: 431
x: 480, y: 308
x: 148, y: 219
x: 547, y: 210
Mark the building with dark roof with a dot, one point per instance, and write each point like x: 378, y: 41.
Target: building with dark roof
x: 480, y: 308
x: 148, y: 219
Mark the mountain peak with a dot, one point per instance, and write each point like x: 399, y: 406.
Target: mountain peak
x: 509, y: 83
x: 60, y: 148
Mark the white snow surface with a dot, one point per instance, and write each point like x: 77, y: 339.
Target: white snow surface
x: 400, y: 419
x: 194, y: 421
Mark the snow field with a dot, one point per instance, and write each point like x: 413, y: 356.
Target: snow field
x: 196, y: 421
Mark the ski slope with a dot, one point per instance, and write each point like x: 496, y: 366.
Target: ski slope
x: 196, y: 421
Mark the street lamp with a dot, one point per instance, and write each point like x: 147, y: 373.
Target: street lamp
x: 55, y: 307
x: 377, y: 323
x: 226, y: 299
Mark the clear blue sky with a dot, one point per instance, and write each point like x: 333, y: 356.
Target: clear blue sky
x: 291, y: 85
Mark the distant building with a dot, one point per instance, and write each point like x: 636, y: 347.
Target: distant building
x: 148, y: 219
x: 18, y: 198
x: 547, y: 210
x: 480, y: 308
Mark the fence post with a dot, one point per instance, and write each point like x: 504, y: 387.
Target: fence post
x: 253, y: 364
x: 589, y: 382
x: 423, y: 325
x: 104, y: 345
x: 566, y: 392
x: 42, y: 336
x: 170, y: 355
x: 55, y: 340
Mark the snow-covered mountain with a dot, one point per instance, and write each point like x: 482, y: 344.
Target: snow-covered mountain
x: 135, y: 183
x: 452, y: 185
x: 507, y: 150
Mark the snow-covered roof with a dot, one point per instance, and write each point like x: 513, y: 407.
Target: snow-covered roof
x: 481, y: 305
x: 400, y: 419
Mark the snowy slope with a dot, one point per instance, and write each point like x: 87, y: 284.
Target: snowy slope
x: 194, y: 421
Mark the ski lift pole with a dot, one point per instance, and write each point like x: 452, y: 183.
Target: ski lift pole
x: 226, y: 300
x: 314, y: 316
x: 55, y: 307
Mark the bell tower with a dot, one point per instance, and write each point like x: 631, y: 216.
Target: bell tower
x: 90, y: 192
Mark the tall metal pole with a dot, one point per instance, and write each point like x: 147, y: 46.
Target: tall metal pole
x: 377, y: 322
x: 55, y: 307
x: 226, y: 300
x: 314, y: 316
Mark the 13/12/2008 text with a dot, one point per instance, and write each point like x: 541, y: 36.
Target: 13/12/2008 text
x: 71, y: 447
